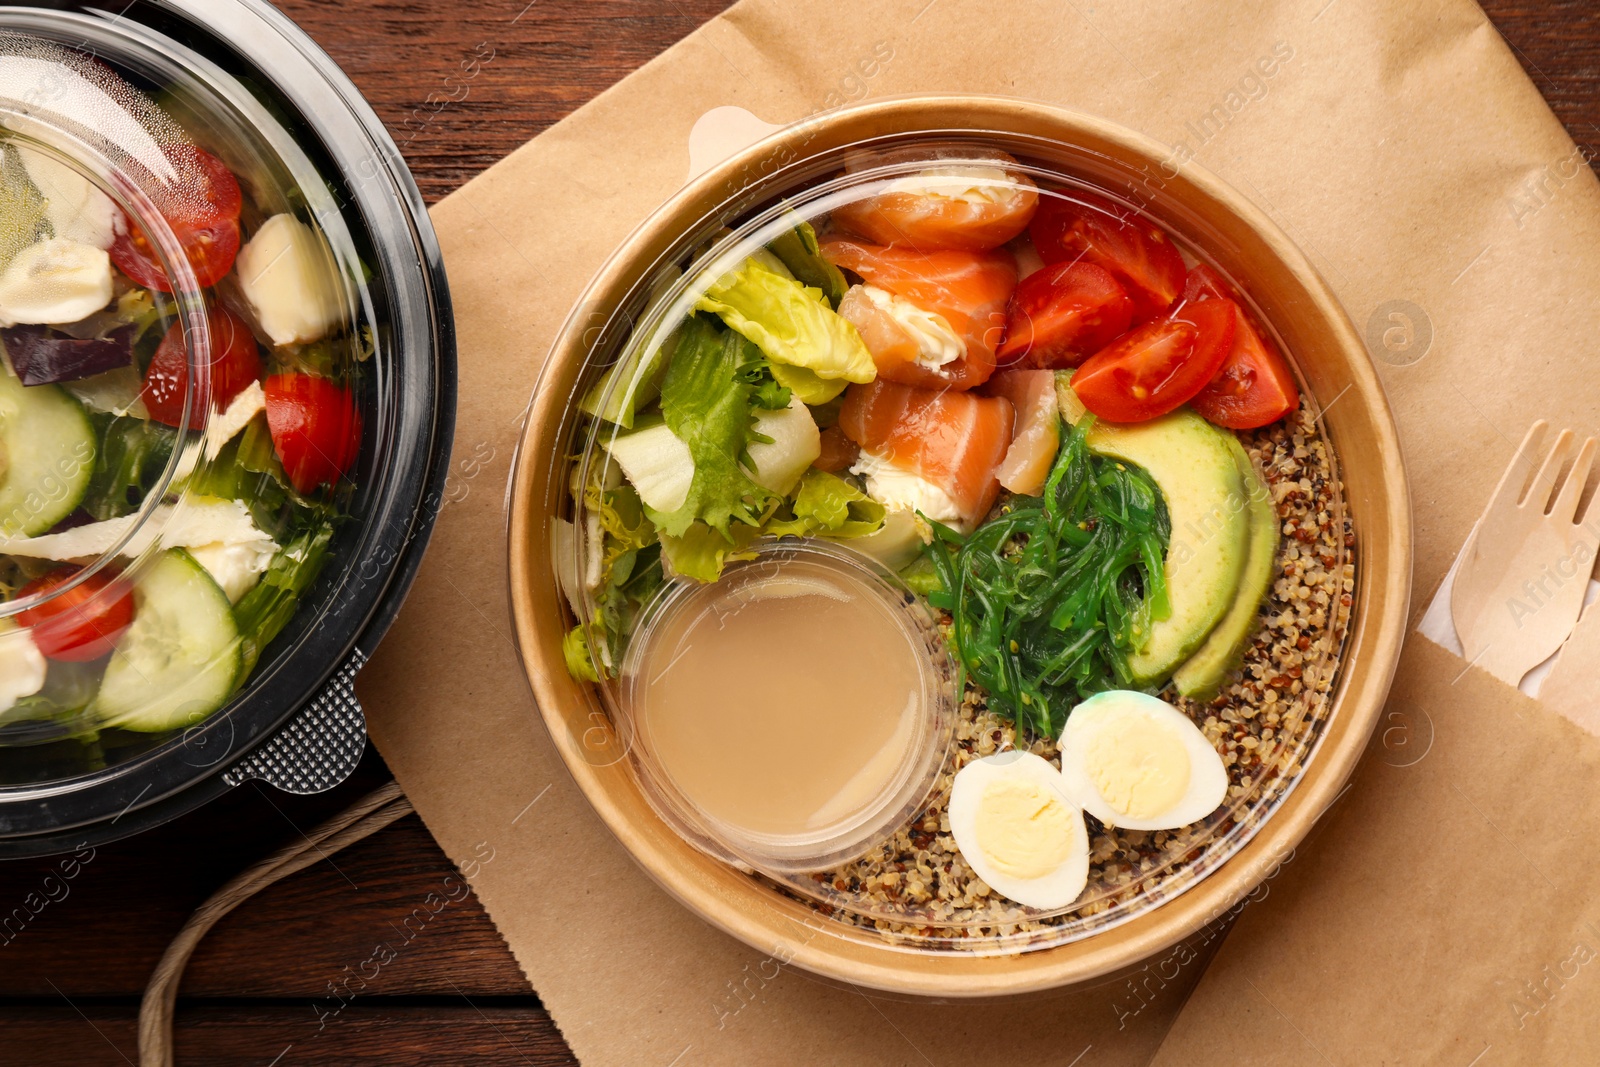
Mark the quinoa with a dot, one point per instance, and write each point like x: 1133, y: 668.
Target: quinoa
x: 916, y: 888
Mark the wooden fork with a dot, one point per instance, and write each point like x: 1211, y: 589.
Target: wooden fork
x: 1520, y: 586
x: 1573, y: 687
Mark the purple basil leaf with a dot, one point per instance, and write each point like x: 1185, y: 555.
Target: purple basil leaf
x: 40, y: 354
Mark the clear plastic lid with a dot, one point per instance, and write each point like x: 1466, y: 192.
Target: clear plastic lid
x: 920, y: 257
x: 185, y: 320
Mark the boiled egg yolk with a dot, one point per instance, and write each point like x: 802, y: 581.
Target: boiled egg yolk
x: 1024, y: 828
x: 1138, y: 764
x: 1019, y: 830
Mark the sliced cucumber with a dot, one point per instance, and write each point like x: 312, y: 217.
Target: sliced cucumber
x: 177, y: 662
x: 47, y: 449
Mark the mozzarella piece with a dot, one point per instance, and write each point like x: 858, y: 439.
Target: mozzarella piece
x: 223, y: 427
x: 938, y: 344
x: 975, y: 184
x: 1136, y: 762
x: 77, y: 210
x: 22, y: 665
x: 192, y: 523
x: 286, y: 272
x: 55, y: 281
x: 1019, y: 831
x: 895, y: 487
x: 236, y: 566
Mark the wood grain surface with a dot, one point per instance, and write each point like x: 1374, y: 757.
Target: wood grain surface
x: 275, y: 982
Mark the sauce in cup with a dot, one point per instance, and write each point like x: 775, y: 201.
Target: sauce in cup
x: 787, y: 703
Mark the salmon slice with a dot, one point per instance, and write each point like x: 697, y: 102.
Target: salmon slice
x: 968, y: 204
x: 895, y: 349
x: 954, y: 440
x: 968, y: 289
x: 1036, y: 431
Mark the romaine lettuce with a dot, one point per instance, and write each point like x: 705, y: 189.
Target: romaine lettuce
x: 828, y: 506
x: 706, y: 401
x: 701, y: 552
x: 800, y: 253
x: 814, y: 352
x: 266, y: 609
x: 133, y: 452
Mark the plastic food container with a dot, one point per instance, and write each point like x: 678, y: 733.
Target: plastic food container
x: 226, y: 406
x: 902, y: 913
x: 906, y: 761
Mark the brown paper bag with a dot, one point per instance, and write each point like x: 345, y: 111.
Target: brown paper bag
x: 1393, y: 142
x: 1443, y: 911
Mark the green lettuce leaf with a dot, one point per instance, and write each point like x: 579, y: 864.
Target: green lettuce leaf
x: 814, y: 352
x: 701, y: 552
x: 634, y: 381
x: 133, y: 452
x: 622, y: 516
x: 806, y: 385
x: 766, y: 392
x: 624, y: 528
x: 800, y: 252
x: 635, y: 577
x: 922, y: 577
x: 247, y: 469
x: 266, y: 609
x: 707, y: 403
x: 826, y: 505
x: 580, y: 661
x: 630, y: 384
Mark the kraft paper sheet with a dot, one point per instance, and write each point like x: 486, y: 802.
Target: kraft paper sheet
x: 1439, y: 912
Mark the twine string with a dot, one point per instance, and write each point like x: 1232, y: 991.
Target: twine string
x: 362, y: 819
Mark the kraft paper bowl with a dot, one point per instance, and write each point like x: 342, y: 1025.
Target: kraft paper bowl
x: 1214, y: 218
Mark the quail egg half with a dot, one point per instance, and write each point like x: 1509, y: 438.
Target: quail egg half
x: 1019, y: 830
x: 1136, y: 762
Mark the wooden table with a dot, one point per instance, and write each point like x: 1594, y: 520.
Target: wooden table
x: 257, y: 988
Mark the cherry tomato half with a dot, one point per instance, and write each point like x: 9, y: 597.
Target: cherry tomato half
x: 1093, y: 229
x: 235, y: 363
x: 1255, y: 386
x: 82, y: 623
x: 1061, y: 315
x: 1159, y: 365
x: 203, y: 211
x: 315, y: 426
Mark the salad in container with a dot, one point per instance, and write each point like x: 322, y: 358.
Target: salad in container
x: 954, y: 550
x: 206, y: 428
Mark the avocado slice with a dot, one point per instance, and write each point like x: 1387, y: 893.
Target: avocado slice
x: 1203, y: 673
x: 1193, y: 462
